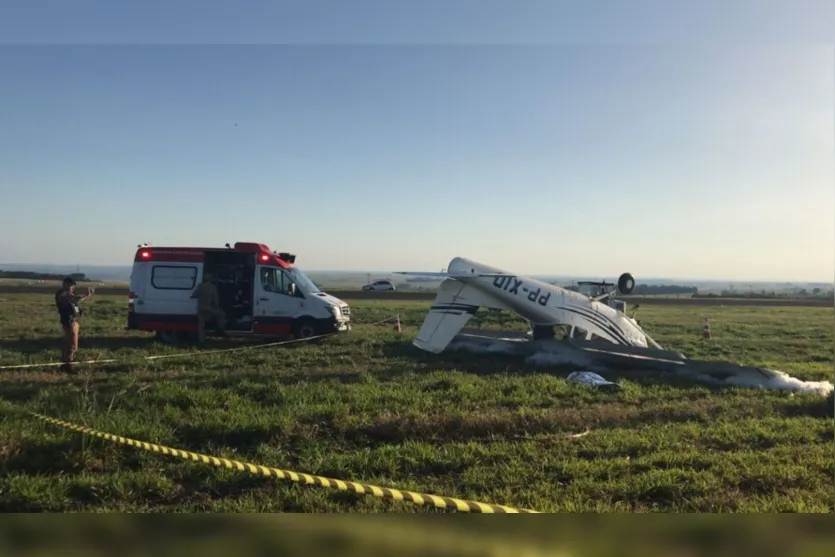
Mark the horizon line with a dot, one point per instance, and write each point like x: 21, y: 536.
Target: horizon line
x: 557, y: 275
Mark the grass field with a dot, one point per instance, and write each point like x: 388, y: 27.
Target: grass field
x: 367, y: 406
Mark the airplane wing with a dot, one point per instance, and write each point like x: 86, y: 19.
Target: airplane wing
x: 451, y: 275
x: 454, y: 305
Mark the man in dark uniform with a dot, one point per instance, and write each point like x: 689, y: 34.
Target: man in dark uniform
x: 68, y: 304
x: 208, y: 307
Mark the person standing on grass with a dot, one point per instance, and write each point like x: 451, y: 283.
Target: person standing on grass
x: 69, y: 310
x: 208, y: 307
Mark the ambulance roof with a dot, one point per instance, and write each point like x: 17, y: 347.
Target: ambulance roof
x: 198, y: 254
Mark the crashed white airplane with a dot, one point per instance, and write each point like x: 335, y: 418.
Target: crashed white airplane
x: 600, y: 335
x: 470, y: 285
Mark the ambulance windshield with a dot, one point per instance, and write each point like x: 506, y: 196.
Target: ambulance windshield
x: 303, y: 283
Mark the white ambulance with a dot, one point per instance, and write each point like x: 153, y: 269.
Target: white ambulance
x: 261, y: 292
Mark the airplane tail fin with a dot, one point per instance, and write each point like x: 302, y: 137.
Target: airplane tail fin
x: 453, y: 307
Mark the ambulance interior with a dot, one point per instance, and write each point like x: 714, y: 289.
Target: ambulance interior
x: 234, y: 274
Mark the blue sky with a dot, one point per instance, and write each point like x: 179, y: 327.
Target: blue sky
x: 712, y: 161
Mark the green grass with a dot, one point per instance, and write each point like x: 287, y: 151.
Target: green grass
x: 368, y: 406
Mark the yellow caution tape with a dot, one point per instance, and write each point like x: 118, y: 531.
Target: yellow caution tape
x: 298, y: 477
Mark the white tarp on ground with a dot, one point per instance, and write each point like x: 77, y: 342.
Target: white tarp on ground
x: 591, y: 379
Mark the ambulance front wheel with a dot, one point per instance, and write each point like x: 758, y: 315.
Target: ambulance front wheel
x: 304, y: 328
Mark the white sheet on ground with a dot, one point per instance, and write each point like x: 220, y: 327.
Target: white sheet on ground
x: 589, y: 378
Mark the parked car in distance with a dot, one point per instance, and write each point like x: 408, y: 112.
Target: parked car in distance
x: 380, y: 285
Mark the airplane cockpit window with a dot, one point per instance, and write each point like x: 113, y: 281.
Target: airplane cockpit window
x: 579, y: 333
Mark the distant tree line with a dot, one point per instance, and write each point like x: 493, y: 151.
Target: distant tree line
x: 662, y: 289
x: 692, y: 291
x: 794, y: 293
x: 652, y: 289
x: 31, y: 275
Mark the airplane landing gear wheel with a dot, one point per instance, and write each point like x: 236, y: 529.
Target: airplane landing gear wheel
x: 626, y: 283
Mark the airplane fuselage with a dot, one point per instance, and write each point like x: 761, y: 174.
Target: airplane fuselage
x: 545, y: 304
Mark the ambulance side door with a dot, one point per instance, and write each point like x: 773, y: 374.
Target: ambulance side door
x: 272, y: 297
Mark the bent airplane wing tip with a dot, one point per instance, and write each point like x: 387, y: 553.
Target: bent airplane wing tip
x: 427, y: 347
